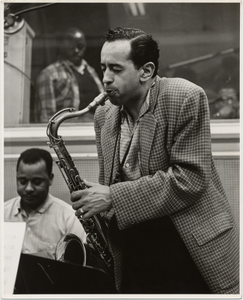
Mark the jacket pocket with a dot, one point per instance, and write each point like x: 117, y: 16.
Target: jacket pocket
x: 213, y: 227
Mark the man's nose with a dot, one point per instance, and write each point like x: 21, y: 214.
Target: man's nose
x: 29, y: 187
x: 107, y: 77
x: 77, y: 50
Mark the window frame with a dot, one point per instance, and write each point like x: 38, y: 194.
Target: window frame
x: 80, y: 138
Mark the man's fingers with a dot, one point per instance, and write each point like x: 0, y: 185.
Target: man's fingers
x: 76, y: 205
x: 76, y: 195
x: 79, y: 212
x: 84, y: 217
x: 84, y: 214
x: 89, y: 183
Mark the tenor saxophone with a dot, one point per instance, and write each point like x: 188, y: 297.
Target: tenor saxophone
x: 94, y: 226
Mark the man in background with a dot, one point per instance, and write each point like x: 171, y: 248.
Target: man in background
x: 70, y: 81
x: 47, y: 218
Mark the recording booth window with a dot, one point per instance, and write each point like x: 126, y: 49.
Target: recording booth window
x: 202, y: 52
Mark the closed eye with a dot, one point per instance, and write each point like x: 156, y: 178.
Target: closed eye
x: 112, y: 67
x: 37, y: 181
x: 22, y: 181
x: 117, y: 69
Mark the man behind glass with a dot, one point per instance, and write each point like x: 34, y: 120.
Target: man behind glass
x: 70, y: 81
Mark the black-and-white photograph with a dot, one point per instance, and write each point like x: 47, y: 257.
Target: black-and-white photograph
x: 121, y: 149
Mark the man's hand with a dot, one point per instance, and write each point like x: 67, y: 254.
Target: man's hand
x: 91, y: 201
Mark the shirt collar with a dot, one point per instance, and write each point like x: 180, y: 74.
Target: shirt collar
x: 80, y: 68
x: 43, y: 207
x: 18, y: 207
x: 144, y: 107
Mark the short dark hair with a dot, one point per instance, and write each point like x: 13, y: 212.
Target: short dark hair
x: 144, y: 47
x: 33, y: 155
x: 67, y: 33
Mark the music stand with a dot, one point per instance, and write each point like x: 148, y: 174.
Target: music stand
x: 38, y: 275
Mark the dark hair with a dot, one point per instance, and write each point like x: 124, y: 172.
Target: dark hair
x: 67, y: 33
x: 34, y: 155
x: 144, y: 47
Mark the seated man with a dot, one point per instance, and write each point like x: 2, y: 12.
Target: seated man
x: 47, y: 218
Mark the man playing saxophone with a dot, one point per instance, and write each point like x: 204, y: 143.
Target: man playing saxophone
x: 170, y: 227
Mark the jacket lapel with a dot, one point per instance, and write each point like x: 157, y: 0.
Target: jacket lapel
x: 146, y: 135
x: 109, y: 138
x: 147, y: 129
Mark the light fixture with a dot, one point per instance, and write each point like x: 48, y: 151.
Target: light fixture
x: 12, y: 23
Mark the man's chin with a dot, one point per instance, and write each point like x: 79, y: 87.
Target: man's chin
x: 115, y: 101
x: 77, y: 62
x: 30, y: 202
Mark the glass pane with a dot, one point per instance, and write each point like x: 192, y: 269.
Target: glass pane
x: 198, y: 41
x: 218, y: 74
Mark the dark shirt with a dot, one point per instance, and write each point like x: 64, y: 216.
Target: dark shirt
x: 88, y: 89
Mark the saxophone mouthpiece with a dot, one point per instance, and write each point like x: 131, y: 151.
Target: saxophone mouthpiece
x: 99, y: 100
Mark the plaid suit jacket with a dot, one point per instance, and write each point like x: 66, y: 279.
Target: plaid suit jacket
x: 179, y: 179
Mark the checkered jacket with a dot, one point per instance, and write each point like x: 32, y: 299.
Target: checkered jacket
x: 179, y: 180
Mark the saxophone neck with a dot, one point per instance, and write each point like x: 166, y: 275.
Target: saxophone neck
x: 56, y: 120
x: 69, y: 113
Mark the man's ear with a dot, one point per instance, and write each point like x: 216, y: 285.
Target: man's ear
x: 147, y: 71
x: 51, y: 178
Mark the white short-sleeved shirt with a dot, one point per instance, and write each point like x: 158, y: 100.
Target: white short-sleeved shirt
x: 46, y: 225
